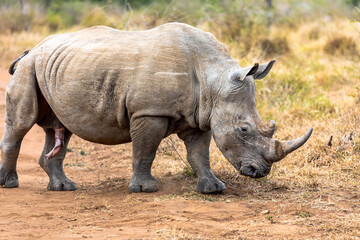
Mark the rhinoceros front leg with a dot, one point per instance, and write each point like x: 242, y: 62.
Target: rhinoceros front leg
x: 197, y: 145
x: 53, y: 163
x: 146, y: 134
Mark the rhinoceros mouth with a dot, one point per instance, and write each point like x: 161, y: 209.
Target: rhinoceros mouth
x: 254, y: 170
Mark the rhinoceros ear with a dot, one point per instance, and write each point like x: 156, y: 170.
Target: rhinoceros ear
x: 264, y: 69
x: 241, y: 74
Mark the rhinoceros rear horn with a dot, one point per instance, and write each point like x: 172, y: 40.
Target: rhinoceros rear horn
x: 264, y: 69
x: 241, y: 74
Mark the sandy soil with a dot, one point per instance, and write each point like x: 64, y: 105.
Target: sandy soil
x: 102, y: 207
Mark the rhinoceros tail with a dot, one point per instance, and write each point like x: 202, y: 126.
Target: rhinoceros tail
x: 11, y: 68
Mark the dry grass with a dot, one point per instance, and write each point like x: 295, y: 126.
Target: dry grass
x: 13, y: 45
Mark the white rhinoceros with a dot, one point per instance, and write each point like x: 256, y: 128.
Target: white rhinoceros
x: 111, y: 87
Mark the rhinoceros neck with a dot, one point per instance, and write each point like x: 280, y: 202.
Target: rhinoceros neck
x: 209, y: 71
x: 208, y: 75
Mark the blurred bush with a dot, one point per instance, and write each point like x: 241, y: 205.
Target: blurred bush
x: 236, y: 19
x: 341, y: 46
x: 13, y: 20
x: 274, y: 47
x: 97, y: 16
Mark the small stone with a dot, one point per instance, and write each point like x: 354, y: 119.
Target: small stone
x: 265, y: 212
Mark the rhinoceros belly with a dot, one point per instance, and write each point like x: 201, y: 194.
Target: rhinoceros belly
x: 93, y: 112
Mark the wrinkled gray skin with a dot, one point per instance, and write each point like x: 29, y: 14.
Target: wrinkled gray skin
x: 112, y: 87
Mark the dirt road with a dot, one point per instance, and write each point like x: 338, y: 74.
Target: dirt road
x: 102, y: 207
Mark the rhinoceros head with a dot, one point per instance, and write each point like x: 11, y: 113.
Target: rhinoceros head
x: 243, y: 138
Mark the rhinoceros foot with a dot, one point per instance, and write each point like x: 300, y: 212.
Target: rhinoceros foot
x: 9, y: 179
x: 61, y: 184
x: 148, y: 184
x: 210, y: 185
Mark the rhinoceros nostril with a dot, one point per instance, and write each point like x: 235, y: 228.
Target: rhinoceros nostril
x: 253, y: 172
x: 248, y: 171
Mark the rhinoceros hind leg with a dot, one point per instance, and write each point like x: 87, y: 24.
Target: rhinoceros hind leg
x: 146, y: 135
x: 197, y: 145
x: 54, y: 166
x: 10, y: 147
x: 21, y: 114
x: 9, y: 179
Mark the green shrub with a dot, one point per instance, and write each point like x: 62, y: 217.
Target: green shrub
x: 54, y: 21
x: 70, y: 12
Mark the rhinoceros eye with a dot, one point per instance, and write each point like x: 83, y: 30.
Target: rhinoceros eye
x: 243, y: 129
x: 243, y: 132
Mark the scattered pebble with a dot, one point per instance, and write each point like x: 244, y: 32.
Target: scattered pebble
x: 265, y: 212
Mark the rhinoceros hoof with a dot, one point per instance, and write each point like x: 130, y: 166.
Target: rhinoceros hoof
x: 9, y: 179
x: 149, y: 184
x: 61, y: 185
x: 210, y: 185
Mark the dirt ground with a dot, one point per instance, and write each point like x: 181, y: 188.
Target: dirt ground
x: 102, y: 207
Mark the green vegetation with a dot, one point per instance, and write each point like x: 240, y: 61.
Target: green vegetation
x: 188, y: 172
x: 304, y: 214
x: 270, y: 219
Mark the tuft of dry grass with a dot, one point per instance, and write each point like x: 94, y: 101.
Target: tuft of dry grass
x: 357, y: 94
x: 274, y: 47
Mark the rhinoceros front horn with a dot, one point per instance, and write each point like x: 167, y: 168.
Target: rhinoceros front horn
x: 290, y: 146
x: 282, y: 148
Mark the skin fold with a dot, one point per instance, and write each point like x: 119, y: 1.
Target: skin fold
x: 112, y: 87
